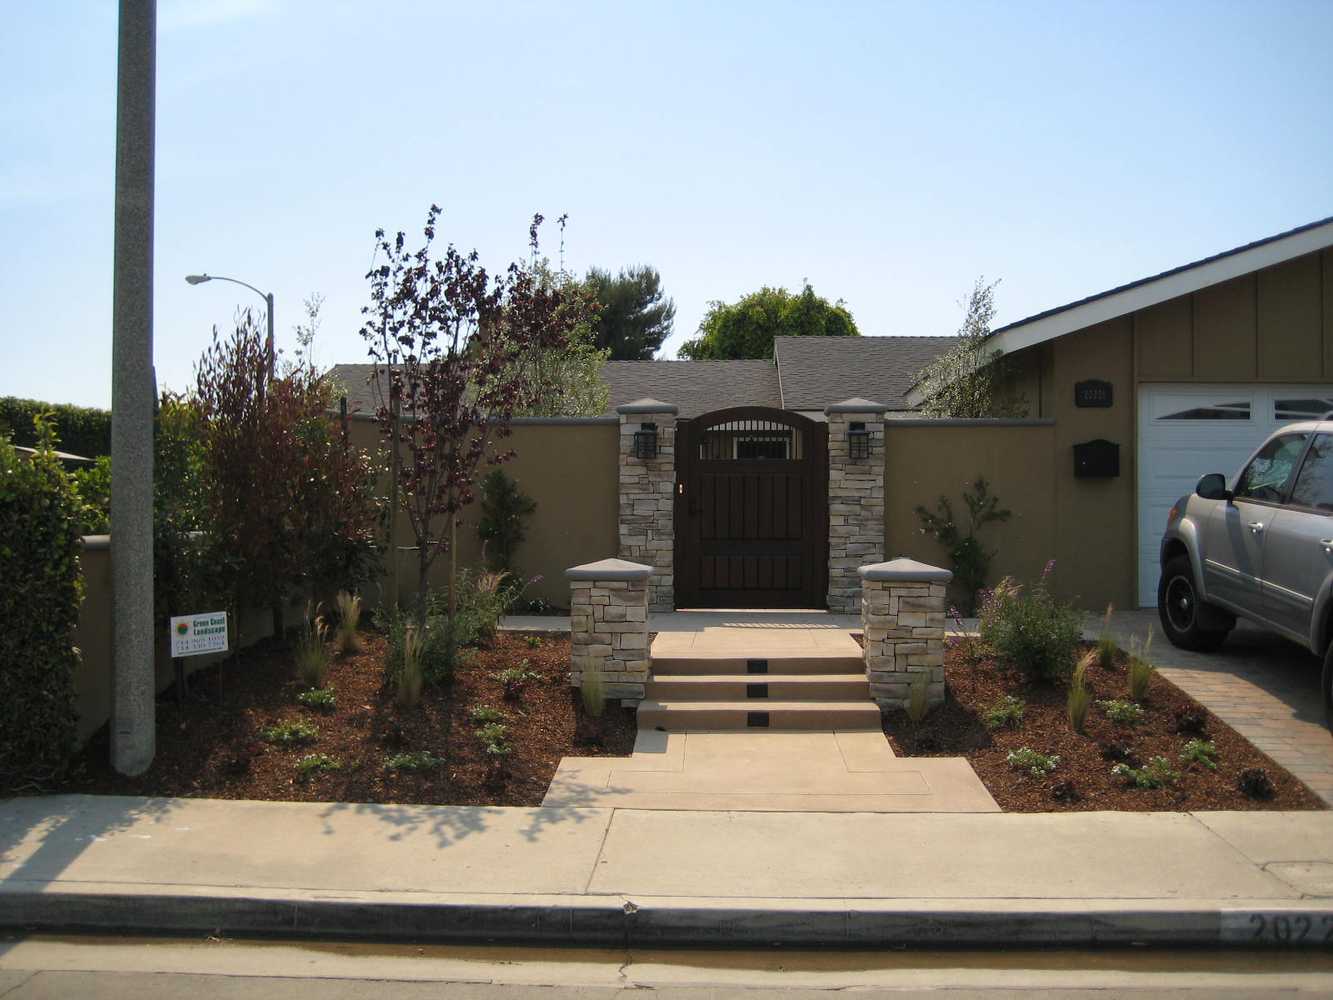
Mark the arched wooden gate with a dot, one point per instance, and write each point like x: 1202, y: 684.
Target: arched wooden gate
x: 751, y: 510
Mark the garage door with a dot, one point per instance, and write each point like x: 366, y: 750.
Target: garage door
x: 1186, y: 431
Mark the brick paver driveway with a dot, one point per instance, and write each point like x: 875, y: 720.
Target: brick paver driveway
x: 1263, y: 686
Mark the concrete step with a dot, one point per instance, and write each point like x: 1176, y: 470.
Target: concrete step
x: 759, y: 688
x: 699, y: 716
x: 671, y: 665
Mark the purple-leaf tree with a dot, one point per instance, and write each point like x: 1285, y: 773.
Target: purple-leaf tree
x: 445, y: 338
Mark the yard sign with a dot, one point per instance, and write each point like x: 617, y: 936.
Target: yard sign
x: 194, y: 635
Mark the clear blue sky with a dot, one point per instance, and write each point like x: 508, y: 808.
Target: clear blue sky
x: 889, y: 153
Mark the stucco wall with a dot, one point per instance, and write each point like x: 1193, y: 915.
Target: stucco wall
x: 926, y: 459
x: 570, y: 470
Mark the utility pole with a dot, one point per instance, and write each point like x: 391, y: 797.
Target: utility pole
x: 134, y: 726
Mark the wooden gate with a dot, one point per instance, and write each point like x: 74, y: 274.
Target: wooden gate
x: 751, y: 510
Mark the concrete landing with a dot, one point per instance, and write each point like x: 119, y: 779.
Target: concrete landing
x: 769, y: 771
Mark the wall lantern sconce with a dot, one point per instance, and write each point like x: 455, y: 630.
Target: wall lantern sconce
x: 858, y: 441
x: 645, y: 441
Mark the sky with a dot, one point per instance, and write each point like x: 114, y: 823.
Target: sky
x: 888, y: 153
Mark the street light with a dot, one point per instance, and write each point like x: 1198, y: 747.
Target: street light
x: 199, y: 279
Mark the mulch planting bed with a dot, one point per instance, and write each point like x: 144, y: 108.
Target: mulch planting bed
x: 1082, y: 780
x: 213, y: 746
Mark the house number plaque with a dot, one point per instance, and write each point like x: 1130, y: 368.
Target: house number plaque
x: 1093, y: 393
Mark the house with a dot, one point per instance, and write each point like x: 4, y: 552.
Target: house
x: 768, y: 483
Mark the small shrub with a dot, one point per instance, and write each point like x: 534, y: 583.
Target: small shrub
x: 515, y: 679
x: 917, y: 692
x: 592, y: 692
x: 1121, y: 712
x: 93, y: 485
x: 1201, y: 752
x: 416, y: 760
x: 312, y: 659
x: 494, y: 739
x: 294, y: 733
x: 485, y: 715
x: 1007, y: 713
x: 1140, y: 669
x: 347, y: 638
x: 315, y: 763
x: 1030, y: 629
x: 969, y: 559
x: 1154, y: 774
x: 1256, y: 783
x: 1106, y: 646
x: 1120, y: 753
x: 1190, y: 720
x: 503, y: 510
x: 533, y: 641
x: 1066, y: 792
x: 1080, y: 695
x: 322, y: 699
x: 1034, y: 762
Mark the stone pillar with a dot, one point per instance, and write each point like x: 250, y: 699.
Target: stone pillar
x: 608, y: 617
x: 902, y: 617
x: 648, y: 497
x: 855, y: 499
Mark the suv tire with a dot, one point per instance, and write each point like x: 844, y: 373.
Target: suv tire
x: 1326, y: 686
x: 1179, y: 608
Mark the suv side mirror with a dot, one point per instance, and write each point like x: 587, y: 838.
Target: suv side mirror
x: 1213, y: 487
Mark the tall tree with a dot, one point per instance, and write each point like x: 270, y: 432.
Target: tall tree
x: 970, y: 379
x: 746, y: 329
x: 447, y: 340
x: 634, y: 317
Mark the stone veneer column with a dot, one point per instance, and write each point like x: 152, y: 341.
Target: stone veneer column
x: 855, y: 500
x: 902, y: 618
x: 608, y: 617
x: 648, y: 497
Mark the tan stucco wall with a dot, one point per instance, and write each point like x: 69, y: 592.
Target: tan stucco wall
x: 570, y: 470
x: 923, y: 461
x: 1275, y: 325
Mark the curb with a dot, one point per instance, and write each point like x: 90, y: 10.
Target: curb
x: 614, y: 921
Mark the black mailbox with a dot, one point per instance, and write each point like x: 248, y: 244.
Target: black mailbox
x: 1098, y: 459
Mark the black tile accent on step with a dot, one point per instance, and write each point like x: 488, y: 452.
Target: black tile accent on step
x: 756, y: 666
x: 756, y: 690
x: 756, y: 720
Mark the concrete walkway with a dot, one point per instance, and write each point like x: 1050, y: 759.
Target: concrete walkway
x: 620, y: 876
x: 1261, y: 685
x: 770, y: 771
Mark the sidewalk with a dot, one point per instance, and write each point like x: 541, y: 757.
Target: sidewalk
x: 620, y: 876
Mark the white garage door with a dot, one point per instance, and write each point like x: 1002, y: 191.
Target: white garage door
x: 1186, y: 431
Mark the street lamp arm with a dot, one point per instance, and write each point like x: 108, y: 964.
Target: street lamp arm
x: 237, y: 281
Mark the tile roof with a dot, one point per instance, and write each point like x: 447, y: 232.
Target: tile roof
x: 809, y: 374
x: 696, y: 387
x: 817, y: 371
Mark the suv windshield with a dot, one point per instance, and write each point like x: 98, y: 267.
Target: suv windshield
x: 1266, y: 477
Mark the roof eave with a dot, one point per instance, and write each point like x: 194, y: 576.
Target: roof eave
x: 1153, y: 291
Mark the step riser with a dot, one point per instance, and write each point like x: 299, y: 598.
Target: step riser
x: 676, y: 720
x: 673, y: 666
x: 812, y: 690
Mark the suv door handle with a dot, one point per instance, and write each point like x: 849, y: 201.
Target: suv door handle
x: 1327, y: 543
x: 1256, y: 526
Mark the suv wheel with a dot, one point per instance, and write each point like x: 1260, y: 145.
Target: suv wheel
x: 1181, y: 611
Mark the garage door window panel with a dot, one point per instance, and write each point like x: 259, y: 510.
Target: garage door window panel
x: 1236, y: 410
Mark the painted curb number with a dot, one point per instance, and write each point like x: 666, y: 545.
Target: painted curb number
x: 1283, y: 928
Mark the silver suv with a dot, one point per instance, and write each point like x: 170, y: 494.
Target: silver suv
x: 1261, y: 549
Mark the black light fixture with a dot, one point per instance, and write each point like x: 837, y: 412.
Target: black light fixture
x: 858, y: 441
x: 645, y: 441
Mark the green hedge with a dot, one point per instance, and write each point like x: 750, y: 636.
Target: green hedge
x: 40, y: 590
x: 82, y: 431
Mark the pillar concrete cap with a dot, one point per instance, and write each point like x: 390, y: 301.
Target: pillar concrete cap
x: 647, y: 406
x: 855, y: 405
x: 610, y: 569
x: 904, y: 570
